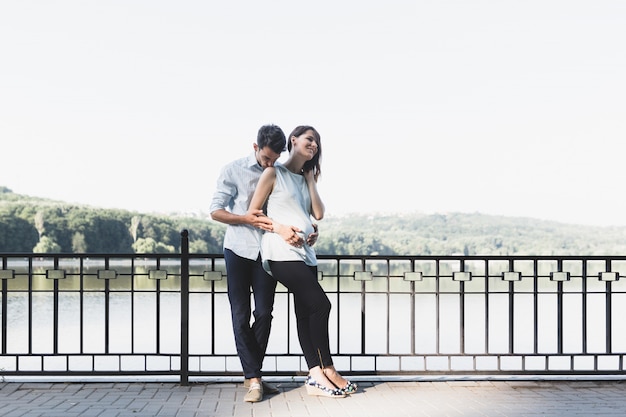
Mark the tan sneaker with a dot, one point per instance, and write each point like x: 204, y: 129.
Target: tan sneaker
x: 254, y: 394
x: 267, y: 388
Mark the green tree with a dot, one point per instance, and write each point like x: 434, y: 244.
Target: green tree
x: 47, y: 245
x: 40, y: 223
x: 16, y: 235
x: 78, y: 243
x: 149, y: 245
x: 56, y: 226
x: 104, y: 231
x: 161, y: 229
x: 135, y: 222
x: 198, y: 246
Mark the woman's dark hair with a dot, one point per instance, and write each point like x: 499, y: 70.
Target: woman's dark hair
x: 316, y: 160
x: 271, y: 136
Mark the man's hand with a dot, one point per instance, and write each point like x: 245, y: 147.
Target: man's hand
x: 312, y: 238
x: 259, y: 220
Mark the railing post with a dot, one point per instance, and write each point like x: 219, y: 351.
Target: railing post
x: 184, y: 307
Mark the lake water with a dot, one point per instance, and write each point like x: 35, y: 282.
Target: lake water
x: 133, y: 327
x: 119, y: 316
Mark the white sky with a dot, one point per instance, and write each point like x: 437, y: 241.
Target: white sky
x: 512, y: 108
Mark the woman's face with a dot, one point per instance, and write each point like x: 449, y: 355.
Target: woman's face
x: 306, y: 143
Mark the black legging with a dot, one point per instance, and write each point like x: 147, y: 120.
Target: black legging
x: 312, y: 309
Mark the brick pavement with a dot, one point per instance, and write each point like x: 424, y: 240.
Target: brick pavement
x: 514, y: 398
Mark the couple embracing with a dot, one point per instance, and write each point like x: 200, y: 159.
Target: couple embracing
x: 262, y: 248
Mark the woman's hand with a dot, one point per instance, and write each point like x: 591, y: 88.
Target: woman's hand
x: 309, y: 175
x: 317, y: 207
x: 289, y: 234
x: 312, y: 238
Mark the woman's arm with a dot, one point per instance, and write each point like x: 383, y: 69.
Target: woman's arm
x: 263, y: 189
x: 317, y: 206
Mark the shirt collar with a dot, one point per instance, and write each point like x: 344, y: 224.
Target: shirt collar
x: 252, y: 162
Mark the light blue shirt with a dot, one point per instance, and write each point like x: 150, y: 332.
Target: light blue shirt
x: 235, y: 188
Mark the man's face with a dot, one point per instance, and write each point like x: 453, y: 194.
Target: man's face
x: 265, y: 156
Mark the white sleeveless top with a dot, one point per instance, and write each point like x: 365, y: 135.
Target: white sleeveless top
x: 288, y: 204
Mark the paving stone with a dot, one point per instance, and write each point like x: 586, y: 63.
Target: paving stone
x: 375, y: 399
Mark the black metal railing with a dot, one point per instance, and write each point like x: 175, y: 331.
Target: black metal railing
x: 168, y: 314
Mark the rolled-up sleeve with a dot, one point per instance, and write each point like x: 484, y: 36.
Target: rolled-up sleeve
x: 235, y: 187
x: 225, y: 193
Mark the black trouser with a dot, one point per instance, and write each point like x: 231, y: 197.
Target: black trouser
x: 251, y: 341
x: 312, y: 309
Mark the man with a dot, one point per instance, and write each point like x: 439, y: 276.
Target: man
x: 242, y: 245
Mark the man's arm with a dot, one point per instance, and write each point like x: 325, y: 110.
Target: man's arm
x: 253, y: 218
x: 226, y: 192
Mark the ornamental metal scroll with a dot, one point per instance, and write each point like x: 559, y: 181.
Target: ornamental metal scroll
x: 559, y: 276
x: 55, y: 274
x: 511, y: 276
x: 158, y: 274
x: 608, y: 276
x: 7, y: 273
x: 462, y: 276
x: 107, y: 274
x: 413, y: 276
x: 363, y: 275
x: 212, y: 276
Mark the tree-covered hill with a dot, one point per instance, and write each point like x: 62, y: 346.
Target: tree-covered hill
x: 464, y: 234
x: 30, y: 224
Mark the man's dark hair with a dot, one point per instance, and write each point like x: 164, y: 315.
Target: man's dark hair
x: 272, y: 136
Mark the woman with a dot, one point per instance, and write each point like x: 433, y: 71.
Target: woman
x: 290, y: 191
